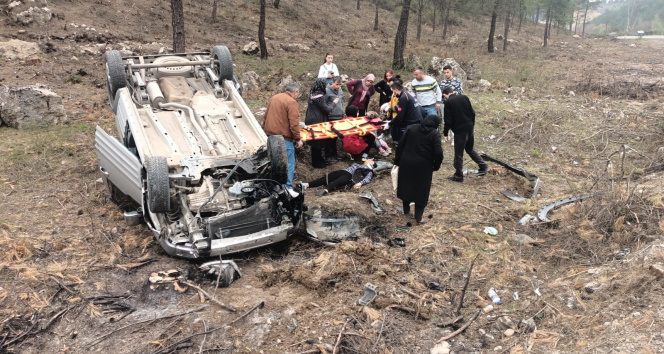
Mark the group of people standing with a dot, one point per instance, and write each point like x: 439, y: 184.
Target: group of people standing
x: 414, y: 121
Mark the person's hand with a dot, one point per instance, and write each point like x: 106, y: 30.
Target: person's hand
x: 437, y: 105
x: 299, y: 144
x: 336, y: 100
x: 357, y: 185
x: 446, y: 138
x: 330, y: 76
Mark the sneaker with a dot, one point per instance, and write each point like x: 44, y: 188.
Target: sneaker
x: 423, y: 221
x: 304, y: 186
x: 292, y: 193
x: 483, y: 170
x: 455, y: 179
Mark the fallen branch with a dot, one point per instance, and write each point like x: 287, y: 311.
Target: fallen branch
x: 102, y: 338
x: 465, y: 286
x: 176, y: 344
x: 450, y: 322
x: 463, y: 328
x: 493, y: 211
x: 336, y: 344
x: 227, y: 307
x: 62, y: 285
x: 507, y: 131
x: 56, y: 316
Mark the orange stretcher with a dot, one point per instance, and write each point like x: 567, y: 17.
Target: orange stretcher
x: 337, y: 129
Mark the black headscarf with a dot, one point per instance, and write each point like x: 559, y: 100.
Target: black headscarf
x: 317, y: 91
x: 429, y: 124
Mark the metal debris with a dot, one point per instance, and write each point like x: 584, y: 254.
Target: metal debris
x: 374, y: 202
x: 369, y: 294
x: 512, y: 195
x: 229, y: 271
x: 533, y: 179
x: 542, y: 213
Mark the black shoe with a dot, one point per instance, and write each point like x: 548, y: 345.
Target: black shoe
x: 455, y: 179
x: 322, y: 165
x: 483, y: 170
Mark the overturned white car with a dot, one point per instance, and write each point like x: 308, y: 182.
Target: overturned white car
x: 191, y: 159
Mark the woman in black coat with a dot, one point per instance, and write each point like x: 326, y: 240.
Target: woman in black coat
x: 383, y: 88
x: 406, y: 112
x: 419, y: 153
x: 317, y: 112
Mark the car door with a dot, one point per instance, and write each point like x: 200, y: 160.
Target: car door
x: 118, y: 165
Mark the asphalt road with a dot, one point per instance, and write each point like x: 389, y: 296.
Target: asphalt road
x: 644, y: 37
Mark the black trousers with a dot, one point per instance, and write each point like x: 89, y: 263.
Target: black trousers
x: 317, y: 147
x: 465, y: 141
x: 419, y: 210
x: 333, y: 180
x: 370, y: 139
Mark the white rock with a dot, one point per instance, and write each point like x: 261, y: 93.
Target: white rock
x: 441, y: 348
x: 250, y: 81
x: 30, y: 106
x: 251, y: 48
x: 16, y: 49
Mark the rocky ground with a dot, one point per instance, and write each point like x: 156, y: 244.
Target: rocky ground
x: 585, y: 115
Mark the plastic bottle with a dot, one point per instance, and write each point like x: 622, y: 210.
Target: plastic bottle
x: 494, y: 296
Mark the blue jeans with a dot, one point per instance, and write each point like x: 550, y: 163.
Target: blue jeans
x: 430, y: 109
x: 290, y: 150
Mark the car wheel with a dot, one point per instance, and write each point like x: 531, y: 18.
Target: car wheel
x: 115, y: 73
x: 276, y: 152
x: 222, y: 56
x: 158, y: 185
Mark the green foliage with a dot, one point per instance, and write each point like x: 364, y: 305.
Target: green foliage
x: 645, y: 11
x: 656, y: 25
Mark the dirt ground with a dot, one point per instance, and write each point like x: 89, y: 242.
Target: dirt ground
x: 585, y: 115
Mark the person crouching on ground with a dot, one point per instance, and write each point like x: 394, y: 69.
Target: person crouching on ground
x: 459, y: 117
x: 419, y: 153
x: 317, y: 112
x: 356, y: 175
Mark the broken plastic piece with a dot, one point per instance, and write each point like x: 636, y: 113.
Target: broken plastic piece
x: 292, y: 326
x: 397, y: 242
x: 405, y: 229
x: 538, y: 293
x: 542, y: 213
x: 374, y: 202
x: 490, y: 231
x: 332, y: 228
x: 434, y: 286
x: 533, y: 179
x: 511, y: 195
x: 229, y: 271
x: 369, y: 294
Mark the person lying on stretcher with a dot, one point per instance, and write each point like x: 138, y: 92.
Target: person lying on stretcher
x: 355, y: 175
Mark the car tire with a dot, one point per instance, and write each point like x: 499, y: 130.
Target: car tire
x: 115, y: 74
x: 276, y: 152
x: 158, y: 186
x: 224, y: 62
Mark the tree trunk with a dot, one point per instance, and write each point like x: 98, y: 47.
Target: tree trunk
x: 178, y: 26
x: 420, y: 3
x: 537, y: 15
x: 546, y: 25
x: 576, y: 25
x: 492, y: 30
x: 585, y: 15
x: 400, y: 39
x: 276, y: 4
x: 214, y: 11
x: 434, y: 18
x: 448, y: 4
x: 518, y: 31
x: 358, y: 4
x: 376, y: 18
x: 507, y: 30
x: 261, y: 31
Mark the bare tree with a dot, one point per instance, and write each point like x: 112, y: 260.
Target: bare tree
x: 546, y: 25
x: 521, y: 14
x: 585, y: 15
x: 261, y: 31
x: 177, y: 14
x: 358, y: 4
x: 447, y: 4
x: 276, y: 4
x: 492, y: 29
x: 400, y: 39
x: 507, y: 29
x: 420, y: 4
x: 376, y: 18
x: 214, y: 10
x: 433, y: 30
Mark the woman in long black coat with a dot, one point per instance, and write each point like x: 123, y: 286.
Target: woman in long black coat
x: 318, y: 111
x: 419, y: 153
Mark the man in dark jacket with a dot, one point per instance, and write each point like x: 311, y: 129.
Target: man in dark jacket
x: 282, y: 117
x: 459, y: 117
x: 318, y: 111
x: 406, y: 113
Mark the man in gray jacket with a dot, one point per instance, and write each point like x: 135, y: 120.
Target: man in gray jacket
x: 332, y: 92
